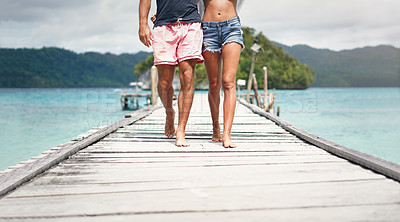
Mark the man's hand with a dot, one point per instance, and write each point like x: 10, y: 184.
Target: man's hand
x: 145, y: 35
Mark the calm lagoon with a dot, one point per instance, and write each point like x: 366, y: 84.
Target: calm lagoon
x: 35, y: 120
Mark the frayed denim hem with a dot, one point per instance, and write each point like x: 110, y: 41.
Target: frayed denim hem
x: 212, y: 50
x: 240, y: 43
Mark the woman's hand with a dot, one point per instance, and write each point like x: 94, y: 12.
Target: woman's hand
x: 153, y: 18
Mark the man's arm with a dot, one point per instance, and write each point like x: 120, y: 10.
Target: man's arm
x: 144, y: 30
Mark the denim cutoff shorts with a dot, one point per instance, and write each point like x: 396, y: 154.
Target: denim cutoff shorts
x: 217, y: 34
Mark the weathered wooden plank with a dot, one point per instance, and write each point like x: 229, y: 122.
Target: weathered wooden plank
x: 203, y: 133
x: 192, y: 140
x: 124, y: 154
x: 339, y: 167
x: 210, y: 199
x: 205, y: 130
x: 69, y: 181
x: 73, y: 189
x: 279, y: 173
x: 193, y: 136
x: 182, y: 163
x: 378, y: 213
x: 198, y: 148
x: 202, y: 146
x: 209, y: 161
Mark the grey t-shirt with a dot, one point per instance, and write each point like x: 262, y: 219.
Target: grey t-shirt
x: 169, y: 11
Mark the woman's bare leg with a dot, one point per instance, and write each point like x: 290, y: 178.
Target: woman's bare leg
x: 212, y: 61
x: 230, y: 57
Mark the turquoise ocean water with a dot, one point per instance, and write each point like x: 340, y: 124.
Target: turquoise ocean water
x: 364, y: 119
x: 35, y: 120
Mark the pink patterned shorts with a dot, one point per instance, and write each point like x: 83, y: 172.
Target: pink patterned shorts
x: 177, y: 42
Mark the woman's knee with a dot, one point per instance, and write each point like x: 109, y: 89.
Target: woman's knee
x: 228, y: 84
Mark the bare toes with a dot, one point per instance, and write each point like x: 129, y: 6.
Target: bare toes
x: 182, y: 144
x: 180, y: 139
x: 217, y: 139
x: 227, y: 143
x: 169, y: 124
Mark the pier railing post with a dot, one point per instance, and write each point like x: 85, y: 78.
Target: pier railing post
x: 265, y: 86
x: 154, y: 82
x: 240, y: 83
x: 256, y: 95
x: 271, y: 101
x: 255, y: 48
x: 253, y: 59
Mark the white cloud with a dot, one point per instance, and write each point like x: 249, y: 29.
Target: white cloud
x: 112, y: 26
x: 326, y: 24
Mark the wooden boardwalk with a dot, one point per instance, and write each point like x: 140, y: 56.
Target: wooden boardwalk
x: 136, y: 174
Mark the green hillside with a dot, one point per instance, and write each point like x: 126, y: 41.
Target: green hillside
x: 284, y: 71
x: 55, y: 67
x: 362, y: 67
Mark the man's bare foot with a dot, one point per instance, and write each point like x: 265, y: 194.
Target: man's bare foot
x: 227, y: 142
x: 169, y: 123
x: 216, y: 137
x: 180, y: 139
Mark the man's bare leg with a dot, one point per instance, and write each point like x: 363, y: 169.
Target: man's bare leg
x: 230, y: 56
x: 185, y: 99
x: 212, y: 62
x: 166, y: 93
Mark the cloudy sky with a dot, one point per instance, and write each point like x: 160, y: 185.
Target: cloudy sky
x: 112, y: 25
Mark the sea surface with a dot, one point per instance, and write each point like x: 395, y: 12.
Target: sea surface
x: 35, y: 120
x: 364, y: 119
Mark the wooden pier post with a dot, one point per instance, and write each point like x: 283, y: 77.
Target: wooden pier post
x: 256, y: 95
x: 240, y: 83
x: 255, y: 48
x: 253, y: 60
x: 265, y: 86
x: 125, y: 103
x: 154, y: 82
x: 271, y: 102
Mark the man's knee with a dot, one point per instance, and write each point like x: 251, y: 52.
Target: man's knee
x: 164, y: 84
x: 165, y: 76
x: 187, y: 83
x: 186, y: 73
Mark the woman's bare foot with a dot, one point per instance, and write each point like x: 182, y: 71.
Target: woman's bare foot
x: 180, y: 139
x: 169, y: 123
x: 227, y: 142
x: 216, y: 137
